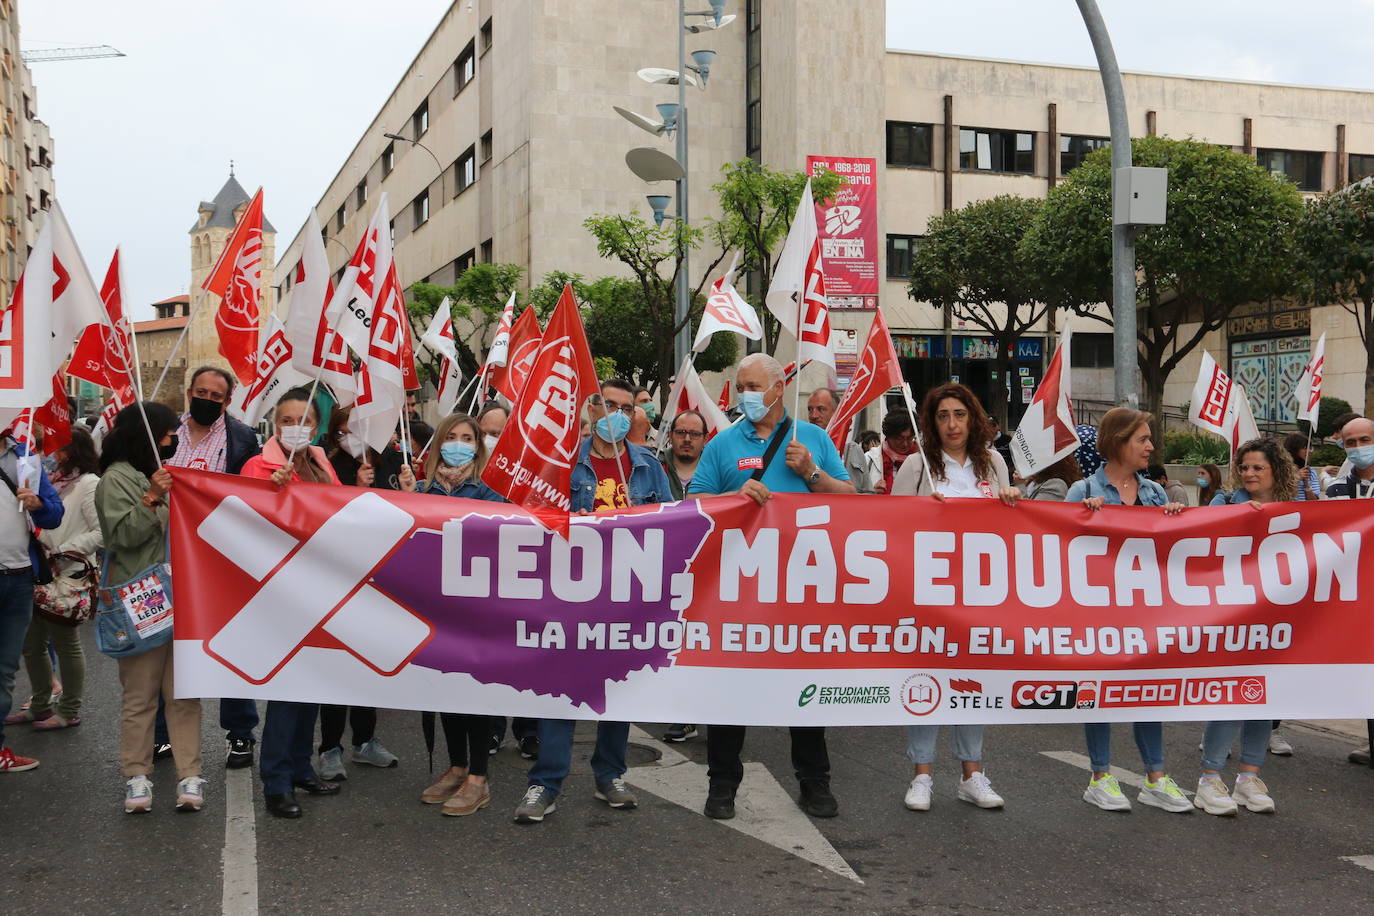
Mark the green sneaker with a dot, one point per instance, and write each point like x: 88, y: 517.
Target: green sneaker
x: 1164, y: 794
x: 1105, y: 792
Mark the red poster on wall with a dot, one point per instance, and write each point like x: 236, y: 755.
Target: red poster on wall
x: 848, y: 226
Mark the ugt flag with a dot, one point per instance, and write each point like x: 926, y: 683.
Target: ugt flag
x: 878, y: 370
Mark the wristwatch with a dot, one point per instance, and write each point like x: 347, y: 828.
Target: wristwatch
x: 813, y: 478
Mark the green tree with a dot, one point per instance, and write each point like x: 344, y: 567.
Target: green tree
x: 757, y: 206
x: 1229, y: 240
x: 1336, y: 245
x: 971, y: 262
x: 477, y: 297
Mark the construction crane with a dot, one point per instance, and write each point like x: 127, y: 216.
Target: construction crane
x: 87, y: 53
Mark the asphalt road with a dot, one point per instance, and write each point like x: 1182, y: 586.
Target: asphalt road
x: 69, y: 848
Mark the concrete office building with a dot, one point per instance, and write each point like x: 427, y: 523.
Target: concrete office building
x: 514, y: 99
x: 26, y: 185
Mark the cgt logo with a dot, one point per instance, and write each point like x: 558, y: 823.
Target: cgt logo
x: 1054, y: 695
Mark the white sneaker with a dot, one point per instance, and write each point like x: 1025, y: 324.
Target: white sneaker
x: 1251, y: 792
x: 1105, y: 792
x: 373, y: 753
x: 191, y: 794
x: 1213, y: 798
x: 918, y: 795
x: 977, y: 790
x: 1279, y: 746
x: 332, y: 765
x: 1164, y: 794
x: 138, y: 795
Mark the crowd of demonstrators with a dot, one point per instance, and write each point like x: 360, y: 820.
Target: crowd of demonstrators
x: 957, y: 459
x: 808, y: 463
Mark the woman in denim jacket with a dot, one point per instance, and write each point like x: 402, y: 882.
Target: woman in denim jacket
x: 1123, y: 438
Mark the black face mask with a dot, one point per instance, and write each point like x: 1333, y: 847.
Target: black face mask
x: 168, y: 452
x: 205, y: 411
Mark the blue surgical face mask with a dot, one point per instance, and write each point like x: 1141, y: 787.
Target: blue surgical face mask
x: 1204, y: 482
x: 752, y: 403
x: 457, y: 454
x: 614, y: 427
x: 1362, y: 456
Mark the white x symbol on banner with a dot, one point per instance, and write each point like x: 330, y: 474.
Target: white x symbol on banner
x: 321, y: 574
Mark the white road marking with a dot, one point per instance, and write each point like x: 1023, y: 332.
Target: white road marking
x: 763, y: 808
x: 1081, y: 761
x: 1362, y: 861
x: 240, y: 857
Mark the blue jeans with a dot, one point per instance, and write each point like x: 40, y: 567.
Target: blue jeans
x: 555, y: 752
x: 238, y: 717
x: 1218, y: 738
x: 965, y: 742
x: 288, y: 741
x: 16, y: 610
x: 1149, y: 738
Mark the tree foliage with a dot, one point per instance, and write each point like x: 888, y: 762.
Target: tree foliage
x: 477, y: 298
x: 1336, y: 253
x: 971, y: 261
x: 1229, y: 240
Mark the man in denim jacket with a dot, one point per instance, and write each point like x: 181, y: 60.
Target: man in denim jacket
x: 610, y: 474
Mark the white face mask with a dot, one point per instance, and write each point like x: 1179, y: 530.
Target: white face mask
x: 353, y: 444
x: 296, y: 437
x: 490, y: 441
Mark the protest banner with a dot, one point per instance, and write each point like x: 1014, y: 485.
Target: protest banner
x: 807, y: 611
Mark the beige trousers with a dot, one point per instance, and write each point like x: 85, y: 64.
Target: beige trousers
x: 143, y: 678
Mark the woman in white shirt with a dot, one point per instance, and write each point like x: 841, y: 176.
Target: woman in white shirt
x: 956, y: 460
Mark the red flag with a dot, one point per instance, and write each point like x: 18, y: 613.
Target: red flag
x: 532, y: 462
x: 122, y: 398
x: 878, y: 370
x: 724, y: 402
x: 237, y: 280
x: 524, y: 347
x: 55, y: 417
x: 103, y: 353
x: 688, y: 393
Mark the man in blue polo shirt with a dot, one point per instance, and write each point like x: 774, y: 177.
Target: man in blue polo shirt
x: 808, y: 463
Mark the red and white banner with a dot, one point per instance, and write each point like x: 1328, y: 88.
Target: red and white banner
x: 104, y: 354
x: 315, y: 349
x: 525, y: 339
x: 1047, y: 432
x: 274, y: 374
x: 688, y: 393
x: 237, y: 279
x: 53, y: 420
x: 848, y: 225
x: 500, y: 345
x: 122, y: 397
x: 879, y: 369
x: 1309, y: 388
x: 531, y: 464
x: 806, y: 611
x: 1220, y: 406
x: 797, y: 295
x: 726, y: 310
x: 438, y: 338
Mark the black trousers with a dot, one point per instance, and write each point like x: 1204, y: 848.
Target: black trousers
x: 810, y: 760
x: 469, y: 739
x: 362, y: 719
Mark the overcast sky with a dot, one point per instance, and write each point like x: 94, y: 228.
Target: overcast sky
x: 284, y: 88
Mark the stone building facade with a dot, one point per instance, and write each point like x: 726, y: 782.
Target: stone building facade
x: 26, y: 183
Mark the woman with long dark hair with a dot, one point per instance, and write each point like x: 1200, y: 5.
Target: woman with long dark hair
x: 1208, y: 483
x: 131, y: 502
x: 956, y: 460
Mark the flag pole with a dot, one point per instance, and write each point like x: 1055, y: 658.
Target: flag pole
x: 309, y: 403
x: 176, y: 348
x: 477, y: 392
x: 136, y: 376
x: 916, y: 431
x: 796, y: 395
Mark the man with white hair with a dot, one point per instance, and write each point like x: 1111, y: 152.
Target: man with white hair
x: 758, y: 457
x: 1358, y: 438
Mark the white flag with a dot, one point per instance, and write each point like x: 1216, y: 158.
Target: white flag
x: 688, y: 393
x: 1047, y: 432
x: 1309, y: 388
x: 500, y: 346
x: 727, y: 310
x: 438, y: 338
x: 1245, y: 429
x: 354, y: 302
x: 1220, y: 406
x: 797, y: 295
x: 275, y: 374
x: 316, y: 349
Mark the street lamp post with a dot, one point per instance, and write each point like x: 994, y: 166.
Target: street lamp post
x: 437, y: 163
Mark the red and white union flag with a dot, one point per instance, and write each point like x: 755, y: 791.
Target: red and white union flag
x: 237, y: 280
x: 879, y: 369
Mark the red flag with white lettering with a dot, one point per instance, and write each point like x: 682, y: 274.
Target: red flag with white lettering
x: 525, y: 338
x: 532, y: 462
x: 54, y: 418
x: 237, y: 280
x: 797, y: 295
x: 879, y: 369
x: 103, y: 355
x: 276, y: 371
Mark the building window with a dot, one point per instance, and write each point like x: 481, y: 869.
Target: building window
x: 1302, y: 168
x: 388, y: 159
x: 465, y: 171
x: 44, y: 201
x: 900, y: 248
x: 360, y: 194
x: 486, y: 36
x: 464, y: 69
x: 463, y: 262
x: 996, y: 150
x: 324, y: 236
x: 753, y: 141
x: 908, y: 144
x: 486, y: 251
x: 391, y: 231
x: 1361, y: 166
x: 1072, y: 150
x: 486, y: 147
x: 339, y: 220
x: 419, y: 121
x: 419, y: 208
x: 753, y: 82
x: 1091, y: 351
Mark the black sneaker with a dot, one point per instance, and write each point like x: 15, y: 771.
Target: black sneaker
x: 496, y: 742
x: 720, y: 802
x: 679, y: 733
x: 240, y: 753
x: 816, y: 799
x: 529, y: 747
x: 162, y: 751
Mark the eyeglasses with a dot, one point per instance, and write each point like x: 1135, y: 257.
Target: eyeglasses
x: 597, y: 400
x: 1253, y: 467
x: 688, y: 434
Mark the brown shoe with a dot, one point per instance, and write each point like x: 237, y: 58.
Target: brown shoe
x: 469, y: 799
x: 448, y: 783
